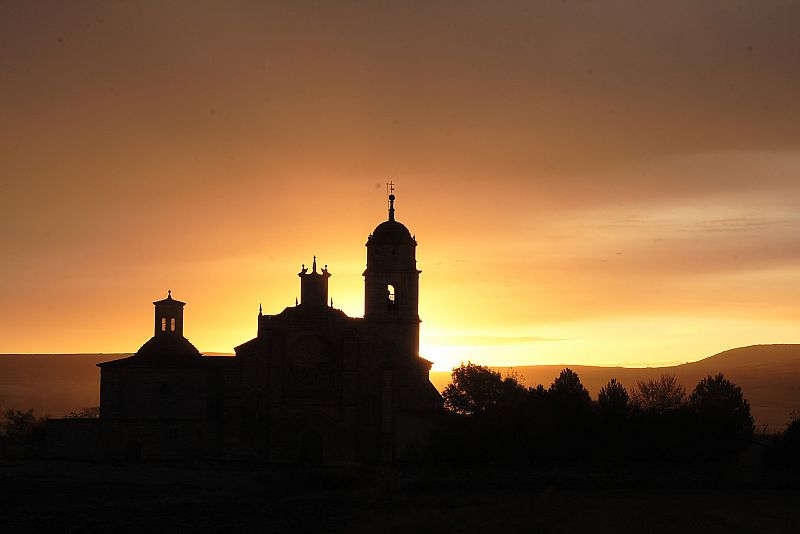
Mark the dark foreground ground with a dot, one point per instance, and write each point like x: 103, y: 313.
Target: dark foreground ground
x: 38, y: 496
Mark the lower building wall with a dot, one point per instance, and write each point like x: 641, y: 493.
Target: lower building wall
x: 310, y: 438
x: 172, y: 440
x: 412, y: 433
x: 155, y: 393
x: 130, y: 440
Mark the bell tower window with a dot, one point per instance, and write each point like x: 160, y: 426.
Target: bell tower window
x: 163, y: 324
x: 172, y: 324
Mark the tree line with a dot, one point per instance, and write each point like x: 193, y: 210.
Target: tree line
x: 493, y: 417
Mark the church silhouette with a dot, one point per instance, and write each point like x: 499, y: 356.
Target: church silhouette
x: 313, y: 386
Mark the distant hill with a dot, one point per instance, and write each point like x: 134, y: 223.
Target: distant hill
x: 769, y: 376
x: 53, y: 384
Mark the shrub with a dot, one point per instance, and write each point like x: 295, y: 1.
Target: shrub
x: 18, y: 423
x: 19, y: 429
x: 660, y: 395
x: 92, y: 412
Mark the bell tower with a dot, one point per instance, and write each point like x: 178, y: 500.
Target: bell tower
x: 391, y: 293
x: 169, y: 317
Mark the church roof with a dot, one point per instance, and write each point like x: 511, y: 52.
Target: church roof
x: 313, y: 314
x: 169, y: 300
x: 161, y: 351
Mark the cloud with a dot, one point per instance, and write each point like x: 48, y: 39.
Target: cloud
x: 468, y: 340
x: 738, y: 224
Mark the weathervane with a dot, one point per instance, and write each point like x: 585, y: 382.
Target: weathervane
x: 390, y: 191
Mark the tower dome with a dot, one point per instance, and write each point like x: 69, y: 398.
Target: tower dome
x: 390, y: 247
x: 391, y: 233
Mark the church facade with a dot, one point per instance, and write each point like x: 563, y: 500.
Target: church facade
x: 313, y: 385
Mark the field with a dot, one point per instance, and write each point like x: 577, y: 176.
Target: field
x: 76, y: 497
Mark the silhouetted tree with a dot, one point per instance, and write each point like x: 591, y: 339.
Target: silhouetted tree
x: 537, y: 414
x: 569, y: 400
x: 568, y: 387
x: 660, y: 395
x: 614, y: 408
x: 785, y: 452
x: 537, y: 394
x: 18, y: 423
x: 484, y: 419
x: 722, y: 411
x: 613, y: 401
x: 476, y: 389
x: 792, y: 433
x: 559, y: 419
x: 662, y: 426
x: 18, y: 430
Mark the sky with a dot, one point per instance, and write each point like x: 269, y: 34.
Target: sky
x: 610, y: 182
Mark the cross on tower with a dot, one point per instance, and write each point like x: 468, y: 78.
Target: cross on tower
x: 390, y: 191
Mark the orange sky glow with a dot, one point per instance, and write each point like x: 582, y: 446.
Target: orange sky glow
x: 590, y: 183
